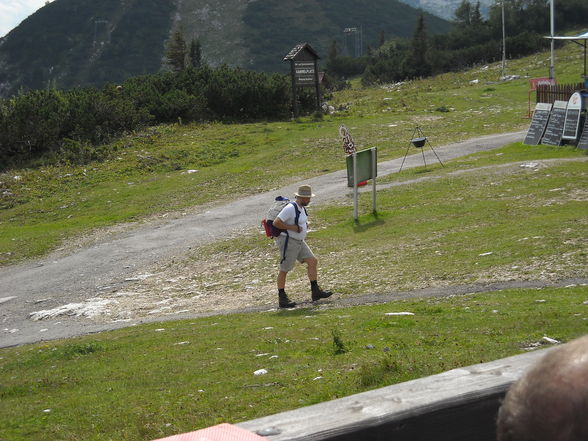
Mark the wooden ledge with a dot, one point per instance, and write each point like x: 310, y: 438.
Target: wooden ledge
x: 456, y: 405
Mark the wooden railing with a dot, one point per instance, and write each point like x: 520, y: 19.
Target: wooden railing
x: 557, y: 92
x: 458, y: 405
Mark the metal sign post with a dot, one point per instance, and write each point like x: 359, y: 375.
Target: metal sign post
x: 374, y: 172
x: 355, y: 189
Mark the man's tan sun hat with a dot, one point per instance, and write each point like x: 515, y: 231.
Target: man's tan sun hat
x: 304, y: 191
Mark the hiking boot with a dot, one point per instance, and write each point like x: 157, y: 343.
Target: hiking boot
x: 285, y: 302
x: 318, y: 293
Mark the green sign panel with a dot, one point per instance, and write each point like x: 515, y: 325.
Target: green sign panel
x: 366, y: 166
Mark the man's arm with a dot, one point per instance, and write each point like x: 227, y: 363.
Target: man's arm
x: 278, y: 223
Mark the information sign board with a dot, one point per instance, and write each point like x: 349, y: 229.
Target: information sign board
x: 361, y: 166
x: 365, y: 168
x: 554, y: 130
x: 538, y: 124
x: 304, y: 73
x: 583, y: 142
x: 572, y: 122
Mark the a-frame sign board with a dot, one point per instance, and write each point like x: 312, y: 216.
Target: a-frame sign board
x: 572, y: 122
x: 538, y: 124
x: 583, y: 142
x: 554, y: 130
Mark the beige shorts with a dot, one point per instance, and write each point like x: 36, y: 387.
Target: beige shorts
x: 297, y: 250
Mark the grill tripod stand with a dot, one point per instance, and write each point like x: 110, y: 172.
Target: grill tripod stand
x: 419, y: 142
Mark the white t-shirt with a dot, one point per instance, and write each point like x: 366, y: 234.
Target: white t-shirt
x: 288, y: 215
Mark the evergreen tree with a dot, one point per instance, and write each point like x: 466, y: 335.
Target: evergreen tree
x: 463, y: 13
x: 333, y: 52
x: 195, y: 54
x: 417, y: 64
x: 176, y: 52
x: 476, y: 19
x: 332, y: 65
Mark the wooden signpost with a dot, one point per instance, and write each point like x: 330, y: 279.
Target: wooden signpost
x: 554, y: 130
x: 538, y: 124
x: 572, y: 122
x: 304, y: 69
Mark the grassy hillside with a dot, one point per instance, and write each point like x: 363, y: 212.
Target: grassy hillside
x: 488, y: 217
x: 495, y: 221
x: 46, y: 207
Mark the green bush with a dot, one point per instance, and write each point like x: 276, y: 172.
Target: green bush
x: 32, y: 122
x: 68, y: 126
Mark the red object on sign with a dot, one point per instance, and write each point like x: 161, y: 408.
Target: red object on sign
x: 221, y: 432
x: 541, y: 82
x: 534, y: 83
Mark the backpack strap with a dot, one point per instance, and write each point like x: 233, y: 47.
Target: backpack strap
x: 297, y: 211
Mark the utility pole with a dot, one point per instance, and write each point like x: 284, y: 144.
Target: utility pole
x: 503, y: 43
x: 552, y: 64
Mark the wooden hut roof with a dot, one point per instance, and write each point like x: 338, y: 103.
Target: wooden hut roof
x: 298, y: 49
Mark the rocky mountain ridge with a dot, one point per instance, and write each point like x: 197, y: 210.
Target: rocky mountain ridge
x: 446, y: 8
x: 79, y: 43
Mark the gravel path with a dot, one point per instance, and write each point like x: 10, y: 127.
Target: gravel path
x: 88, y: 272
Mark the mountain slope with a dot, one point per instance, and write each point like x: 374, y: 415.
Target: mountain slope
x: 320, y: 22
x: 446, y: 8
x: 71, y: 43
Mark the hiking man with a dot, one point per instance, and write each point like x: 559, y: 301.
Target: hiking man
x: 294, y: 220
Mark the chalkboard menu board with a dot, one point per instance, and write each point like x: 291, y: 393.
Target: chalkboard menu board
x: 538, y: 124
x: 554, y: 130
x: 572, y: 122
x: 583, y: 143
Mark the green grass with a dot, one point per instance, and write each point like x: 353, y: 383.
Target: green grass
x: 529, y: 220
x: 43, y: 208
x: 509, y: 154
x: 150, y: 381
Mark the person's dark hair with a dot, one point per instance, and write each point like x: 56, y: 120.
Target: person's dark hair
x: 550, y: 401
